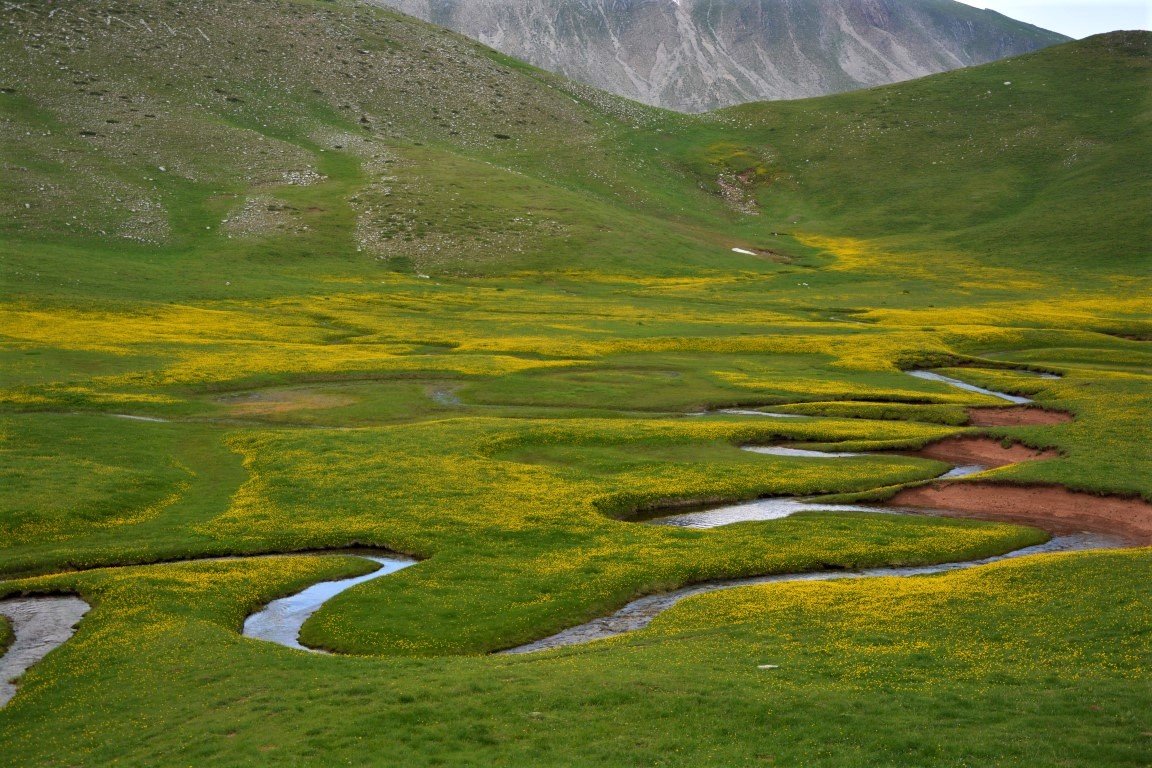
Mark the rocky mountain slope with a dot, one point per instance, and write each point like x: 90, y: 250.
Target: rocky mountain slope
x: 697, y: 55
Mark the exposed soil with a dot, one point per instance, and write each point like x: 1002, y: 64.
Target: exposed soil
x: 981, y: 450
x: 773, y: 256
x: 1015, y: 416
x: 282, y: 401
x: 1051, y: 508
x: 734, y: 194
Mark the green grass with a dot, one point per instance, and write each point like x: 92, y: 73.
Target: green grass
x: 482, y: 350
x: 84, y: 490
x: 1033, y: 677
x: 6, y: 634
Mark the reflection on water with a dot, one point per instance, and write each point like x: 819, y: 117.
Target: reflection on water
x: 929, y: 376
x: 280, y: 620
x: 776, y: 450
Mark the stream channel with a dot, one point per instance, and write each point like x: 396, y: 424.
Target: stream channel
x: 41, y: 624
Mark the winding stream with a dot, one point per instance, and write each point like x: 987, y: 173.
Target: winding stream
x: 749, y: 412
x: 640, y: 613
x: 42, y: 624
x: 781, y: 507
x: 779, y: 450
x: 280, y: 621
x: 920, y: 374
x: 929, y: 376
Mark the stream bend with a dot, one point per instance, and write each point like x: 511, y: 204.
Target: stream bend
x: 280, y: 621
x: 640, y: 613
x: 42, y: 624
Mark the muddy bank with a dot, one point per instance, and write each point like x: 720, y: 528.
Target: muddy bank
x: 1051, y: 508
x: 275, y: 401
x: 981, y: 450
x: 1018, y: 416
x: 41, y: 624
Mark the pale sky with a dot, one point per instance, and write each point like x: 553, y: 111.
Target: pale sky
x: 1075, y: 18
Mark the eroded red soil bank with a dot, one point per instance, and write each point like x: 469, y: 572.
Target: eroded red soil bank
x: 1015, y: 416
x: 985, y: 451
x: 1051, y: 508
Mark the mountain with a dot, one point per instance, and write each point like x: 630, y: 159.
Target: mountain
x: 699, y: 55
x: 194, y: 128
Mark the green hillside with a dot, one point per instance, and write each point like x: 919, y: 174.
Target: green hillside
x: 1027, y: 163
x: 361, y: 281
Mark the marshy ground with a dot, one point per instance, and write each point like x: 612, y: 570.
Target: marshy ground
x: 419, y: 297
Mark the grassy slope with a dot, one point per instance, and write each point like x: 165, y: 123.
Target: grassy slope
x: 581, y: 293
x: 994, y: 161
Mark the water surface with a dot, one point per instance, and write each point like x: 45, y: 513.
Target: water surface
x: 280, y: 621
x: 779, y: 450
x: 929, y: 376
x: 41, y: 624
x: 640, y: 613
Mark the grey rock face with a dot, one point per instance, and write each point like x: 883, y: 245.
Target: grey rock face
x: 697, y: 55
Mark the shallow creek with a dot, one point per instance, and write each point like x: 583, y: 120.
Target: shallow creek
x: 280, y: 621
x: 929, y: 376
x: 920, y: 374
x: 780, y: 507
x: 42, y: 624
x: 639, y: 613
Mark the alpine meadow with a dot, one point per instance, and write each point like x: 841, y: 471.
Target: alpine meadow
x: 799, y: 433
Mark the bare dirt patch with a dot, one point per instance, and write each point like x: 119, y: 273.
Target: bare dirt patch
x: 770, y: 255
x: 1051, y: 508
x: 283, y: 401
x: 736, y: 193
x: 984, y: 451
x: 1015, y: 416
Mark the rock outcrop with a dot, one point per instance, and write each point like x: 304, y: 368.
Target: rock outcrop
x: 698, y: 55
